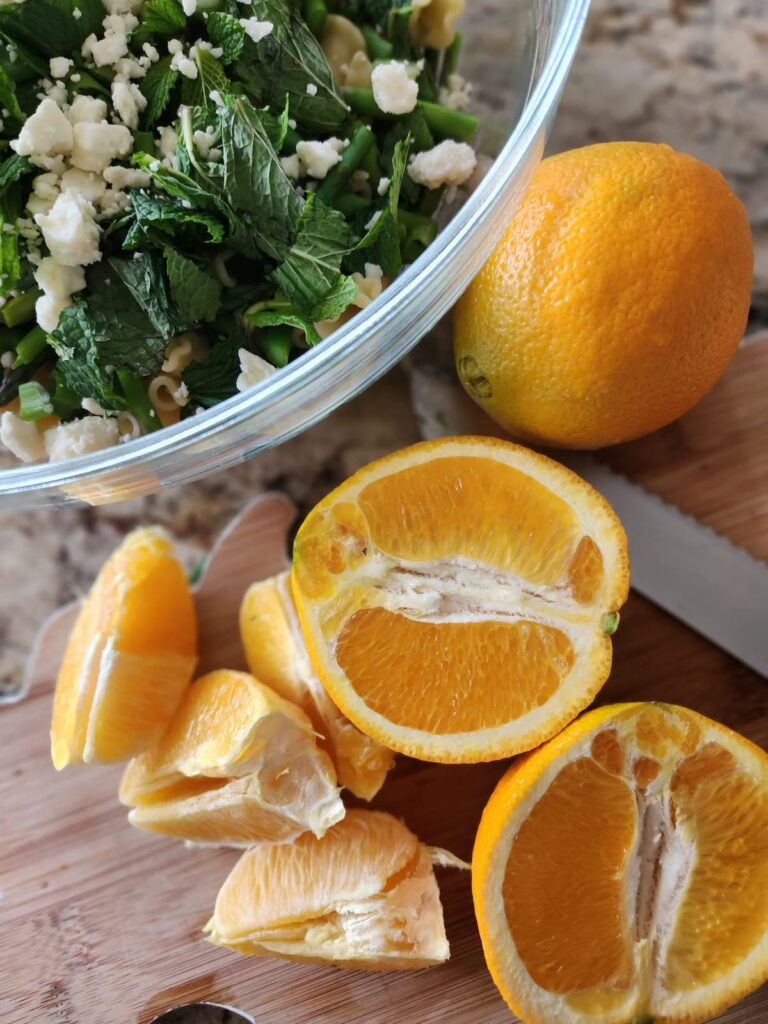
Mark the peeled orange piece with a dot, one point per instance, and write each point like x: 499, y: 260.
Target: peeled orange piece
x: 457, y: 597
x: 620, y: 871
x: 277, y: 654
x: 363, y: 896
x: 237, y: 765
x: 129, y: 658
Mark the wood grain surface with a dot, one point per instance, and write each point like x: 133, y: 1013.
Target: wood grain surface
x: 100, y: 924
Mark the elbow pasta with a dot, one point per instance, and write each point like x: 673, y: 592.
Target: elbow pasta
x: 357, y: 73
x: 128, y: 426
x: 432, y: 22
x: 340, y: 40
x: 162, y: 390
x: 183, y: 350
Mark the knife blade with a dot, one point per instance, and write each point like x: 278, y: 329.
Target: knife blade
x: 697, y: 575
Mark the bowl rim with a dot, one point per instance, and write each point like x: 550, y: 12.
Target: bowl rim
x: 349, y: 340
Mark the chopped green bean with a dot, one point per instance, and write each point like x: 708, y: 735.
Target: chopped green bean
x: 276, y: 344
x: 399, y: 34
x: 371, y: 163
x: 30, y: 346
x: 21, y: 308
x: 34, y: 401
x: 451, y: 58
x: 351, y: 203
x: 444, y: 122
x: 351, y: 158
x: 378, y: 47
x: 138, y: 401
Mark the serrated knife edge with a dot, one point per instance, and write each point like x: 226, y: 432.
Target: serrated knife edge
x: 685, y: 567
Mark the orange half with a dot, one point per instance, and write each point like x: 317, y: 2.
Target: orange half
x: 457, y: 597
x: 620, y: 871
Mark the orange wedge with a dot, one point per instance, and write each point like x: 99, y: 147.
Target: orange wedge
x: 457, y: 597
x: 277, y: 654
x: 237, y: 765
x: 620, y: 871
x: 363, y: 896
x: 129, y: 658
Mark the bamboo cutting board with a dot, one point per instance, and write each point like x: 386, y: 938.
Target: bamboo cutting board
x: 100, y: 924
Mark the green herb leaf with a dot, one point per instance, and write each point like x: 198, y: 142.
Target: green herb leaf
x: 287, y: 61
x: 310, y: 273
x: 157, y: 86
x: 276, y: 127
x: 34, y: 401
x: 162, y: 221
x: 214, y: 380
x: 195, y: 293
x: 163, y: 17
x: 80, y: 367
x: 226, y: 31
x: 12, y: 168
x: 381, y: 243
x: 196, y: 92
x: 276, y: 318
x: 144, y: 279
x: 10, y: 261
x: 8, y: 96
x: 175, y: 183
x: 47, y: 27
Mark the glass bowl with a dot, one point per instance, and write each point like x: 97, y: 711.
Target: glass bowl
x: 517, y: 54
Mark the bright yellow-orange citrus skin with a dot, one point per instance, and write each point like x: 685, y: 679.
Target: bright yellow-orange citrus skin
x: 614, y: 300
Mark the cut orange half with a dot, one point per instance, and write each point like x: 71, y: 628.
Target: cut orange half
x: 364, y: 895
x: 620, y: 871
x: 130, y: 656
x: 457, y: 597
x: 276, y: 654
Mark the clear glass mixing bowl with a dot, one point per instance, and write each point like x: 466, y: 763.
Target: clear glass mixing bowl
x: 517, y: 53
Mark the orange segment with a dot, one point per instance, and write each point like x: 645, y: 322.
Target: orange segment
x: 129, y: 658
x: 455, y: 597
x: 611, y: 886
x: 237, y: 764
x: 276, y: 654
x: 363, y: 896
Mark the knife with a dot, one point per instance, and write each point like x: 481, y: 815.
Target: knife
x: 684, y: 567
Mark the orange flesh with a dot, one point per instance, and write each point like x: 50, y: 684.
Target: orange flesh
x: 465, y: 676
x: 575, y: 909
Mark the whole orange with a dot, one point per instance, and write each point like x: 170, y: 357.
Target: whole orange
x: 614, y: 300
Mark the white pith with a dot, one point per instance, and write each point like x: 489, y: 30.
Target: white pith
x: 658, y: 873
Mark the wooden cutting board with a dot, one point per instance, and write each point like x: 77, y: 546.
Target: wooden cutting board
x: 100, y: 924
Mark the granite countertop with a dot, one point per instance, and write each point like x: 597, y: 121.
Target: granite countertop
x: 688, y: 72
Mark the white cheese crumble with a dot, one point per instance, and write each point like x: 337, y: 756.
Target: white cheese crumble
x: 166, y: 145
x: 114, y: 44
x: 77, y: 13
x: 253, y: 368
x: 311, y: 89
x: 21, y: 438
x: 375, y: 216
x: 58, y: 283
x: 45, y: 133
x: 70, y: 230
x: 189, y: 7
x: 291, y: 165
x: 128, y: 101
x: 89, y: 185
x: 60, y: 66
x: 257, y: 30
x: 87, y: 109
x: 448, y: 163
x: 95, y: 146
x: 126, y: 177
x: 80, y: 437
x: 457, y: 93
x: 383, y: 185
x: 394, y: 91
x: 317, y: 158
x: 180, y: 62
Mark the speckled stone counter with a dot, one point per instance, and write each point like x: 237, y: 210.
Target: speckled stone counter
x: 693, y: 73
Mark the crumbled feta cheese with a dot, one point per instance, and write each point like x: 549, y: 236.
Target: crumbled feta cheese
x: 87, y: 184
x: 175, y: 46
x: 215, y: 96
x: 92, y: 406
x: 383, y: 185
x: 254, y: 370
x: 21, y: 438
x: 204, y: 141
x: 58, y: 281
x: 128, y: 101
x: 114, y: 45
x: 95, y: 146
x: 80, y: 437
x: 126, y: 177
x: 46, y: 133
x: 60, y: 66
x: 46, y: 186
x: 57, y: 91
x: 166, y: 144
x: 77, y: 13
x: 7, y: 359
x: 75, y: 77
x: 123, y: 6
x: 183, y: 64
x: 311, y: 89
x: 87, y: 109
x: 369, y: 285
x: 374, y: 217
x: 257, y: 30
x: 151, y: 51
x: 457, y: 93
x: 180, y: 394
x: 189, y: 7
x: 128, y: 67
x: 70, y: 231
x: 291, y: 166
x: 317, y: 158
x: 114, y: 201
x: 394, y: 91
x: 449, y: 163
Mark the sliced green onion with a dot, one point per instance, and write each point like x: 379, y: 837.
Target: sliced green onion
x: 351, y: 203
x: 65, y: 401
x: 30, y: 346
x: 361, y: 141
x: 34, y: 401
x: 378, y: 47
x: 276, y: 344
x: 315, y: 12
x: 21, y: 308
x: 398, y: 32
x: 138, y: 400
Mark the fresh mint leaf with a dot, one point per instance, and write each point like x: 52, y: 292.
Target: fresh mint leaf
x: 287, y: 61
x: 415, y: 126
x: 215, y: 380
x: 143, y: 277
x: 276, y: 126
x: 10, y: 261
x: 226, y: 31
x: 178, y: 185
x: 47, y: 27
x: 381, y: 243
x: 254, y: 182
x: 8, y: 97
x: 342, y: 293
x: 162, y: 221
x: 13, y: 168
x: 310, y: 272
x: 196, y: 92
x: 157, y: 86
x: 80, y: 366
x: 162, y: 17
x: 196, y: 294
x: 277, y: 317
